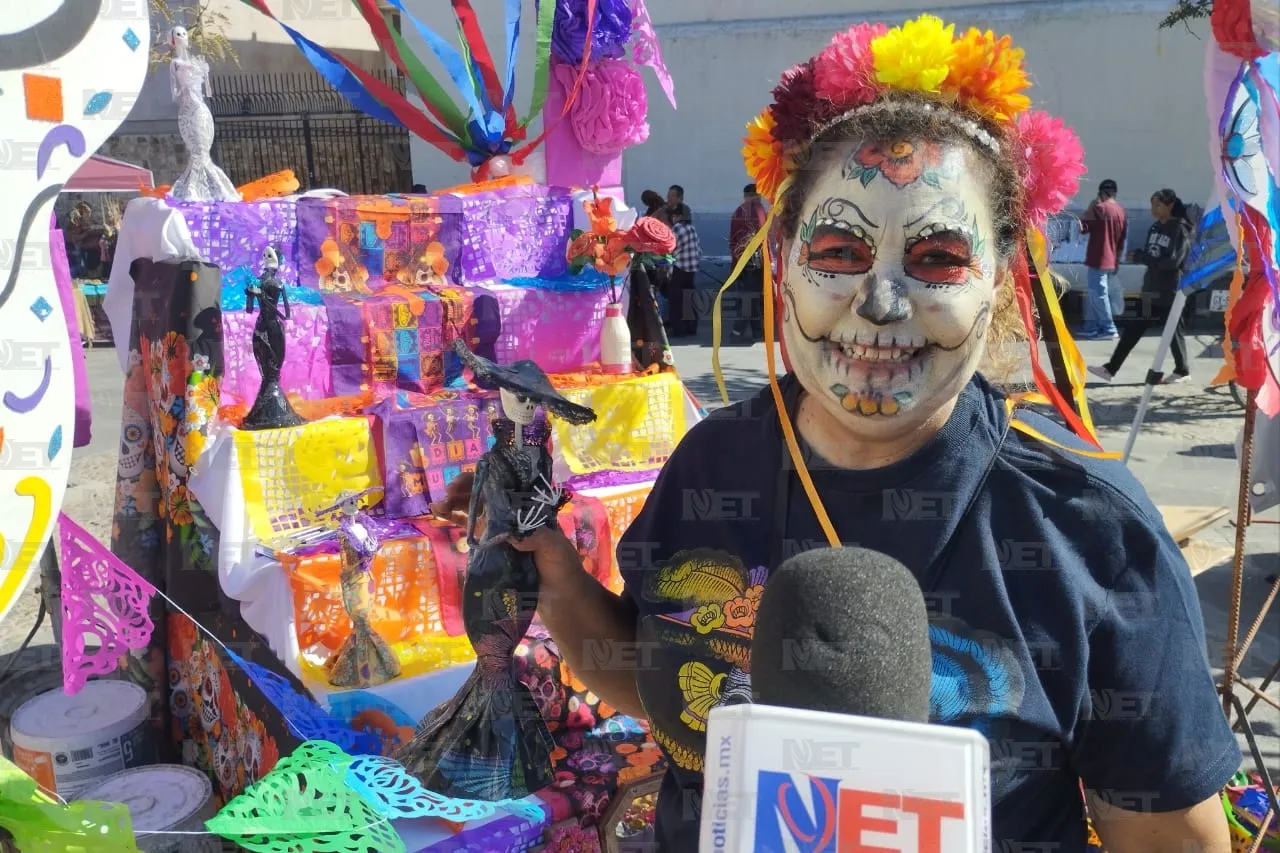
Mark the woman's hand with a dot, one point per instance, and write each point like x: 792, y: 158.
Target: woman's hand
x: 552, y: 551
x: 457, y: 497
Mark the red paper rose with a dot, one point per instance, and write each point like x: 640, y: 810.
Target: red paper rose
x: 651, y: 235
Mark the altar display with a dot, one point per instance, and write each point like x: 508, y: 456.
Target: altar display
x: 304, y: 376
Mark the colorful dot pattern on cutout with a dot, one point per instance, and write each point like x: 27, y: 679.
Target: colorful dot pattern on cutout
x: 43, y: 97
x: 41, y: 308
x: 131, y: 39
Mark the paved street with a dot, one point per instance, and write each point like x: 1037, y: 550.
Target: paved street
x: 1184, y: 456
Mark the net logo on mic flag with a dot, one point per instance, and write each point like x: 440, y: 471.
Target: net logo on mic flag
x: 870, y: 785
x: 836, y: 820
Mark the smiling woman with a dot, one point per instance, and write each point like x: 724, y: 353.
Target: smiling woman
x: 889, y: 311
x: 908, y: 183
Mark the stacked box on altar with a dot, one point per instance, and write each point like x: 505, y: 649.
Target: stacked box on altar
x: 232, y: 234
x: 384, y: 343
x: 512, y: 232
x: 306, y: 368
x: 427, y: 442
x: 361, y: 244
x: 558, y: 327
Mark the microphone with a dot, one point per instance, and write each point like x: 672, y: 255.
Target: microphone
x: 843, y: 630
x: 837, y: 754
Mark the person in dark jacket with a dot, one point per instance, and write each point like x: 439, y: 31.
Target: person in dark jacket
x: 1164, y: 254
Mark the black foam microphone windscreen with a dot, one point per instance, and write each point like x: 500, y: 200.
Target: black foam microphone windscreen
x: 843, y: 630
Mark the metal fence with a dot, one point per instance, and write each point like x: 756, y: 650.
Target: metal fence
x: 269, y: 122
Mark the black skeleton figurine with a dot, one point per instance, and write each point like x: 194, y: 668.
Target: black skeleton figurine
x: 489, y: 742
x: 271, y: 409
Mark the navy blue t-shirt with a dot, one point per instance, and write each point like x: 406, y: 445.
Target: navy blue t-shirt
x: 1064, y: 623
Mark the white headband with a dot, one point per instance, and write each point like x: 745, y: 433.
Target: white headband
x: 967, y: 126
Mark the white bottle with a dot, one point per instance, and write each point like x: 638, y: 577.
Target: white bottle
x: 615, y: 341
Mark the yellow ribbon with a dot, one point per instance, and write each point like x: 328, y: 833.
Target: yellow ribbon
x: 752, y: 247
x: 788, y: 431
x: 1038, y: 399
x: 1070, y: 352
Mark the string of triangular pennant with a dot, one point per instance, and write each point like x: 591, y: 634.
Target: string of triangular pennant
x: 335, y: 792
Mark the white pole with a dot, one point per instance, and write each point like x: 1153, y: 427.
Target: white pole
x: 1154, y: 376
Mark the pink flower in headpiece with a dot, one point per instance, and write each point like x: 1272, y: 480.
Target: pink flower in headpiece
x: 1053, y: 163
x: 797, y: 108
x: 845, y: 72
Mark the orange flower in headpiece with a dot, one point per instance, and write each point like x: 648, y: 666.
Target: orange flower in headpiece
x: 766, y: 163
x: 986, y: 76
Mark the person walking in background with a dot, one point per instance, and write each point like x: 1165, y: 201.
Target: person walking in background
x: 1164, y: 254
x: 747, y: 220
x: 688, y: 256
x: 1107, y: 226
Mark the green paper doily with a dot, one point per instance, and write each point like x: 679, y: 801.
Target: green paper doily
x: 40, y: 825
x: 304, y: 806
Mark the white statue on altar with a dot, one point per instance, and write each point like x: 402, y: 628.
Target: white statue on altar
x: 202, y: 180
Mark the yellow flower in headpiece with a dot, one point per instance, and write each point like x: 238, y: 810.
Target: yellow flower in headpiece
x: 987, y: 76
x: 765, y: 160
x: 915, y: 56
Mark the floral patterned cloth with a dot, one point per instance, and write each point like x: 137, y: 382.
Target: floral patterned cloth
x: 171, y: 395
x: 597, y: 749
x: 216, y: 731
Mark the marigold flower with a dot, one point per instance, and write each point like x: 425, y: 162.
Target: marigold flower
x: 764, y: 156
x: 915, y: 56
x: 987, y: 77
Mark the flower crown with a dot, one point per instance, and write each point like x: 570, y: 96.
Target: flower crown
x: 973, y: 77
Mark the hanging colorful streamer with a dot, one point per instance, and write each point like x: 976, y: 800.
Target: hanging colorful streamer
x: 486, y: 125
x: 1241, y: 78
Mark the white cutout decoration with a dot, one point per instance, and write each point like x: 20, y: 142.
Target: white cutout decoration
x: 69, y: 73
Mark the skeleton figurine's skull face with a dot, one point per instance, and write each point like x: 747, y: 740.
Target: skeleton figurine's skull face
x: 519, y: 407
x: 178, y: 39
x: 270, y: 260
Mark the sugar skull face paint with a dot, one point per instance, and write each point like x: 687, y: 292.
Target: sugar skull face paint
x: 889, y: 283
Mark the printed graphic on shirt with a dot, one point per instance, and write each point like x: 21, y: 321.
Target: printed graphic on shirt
x: 1158, y: 243
x: 705, y: 648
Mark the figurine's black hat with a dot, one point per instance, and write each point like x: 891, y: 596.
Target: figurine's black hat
x: 527, y: 379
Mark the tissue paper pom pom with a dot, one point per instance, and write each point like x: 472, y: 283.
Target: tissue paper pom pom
x: 609, y: 36
x: 762, y: 152
x: 987, y: 77
x: 915, y: 56
x: 1232, y: 25
x: 797, y: 109
x: 1054, y: 162
x: 609, y: 113
x: 845, y: 73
